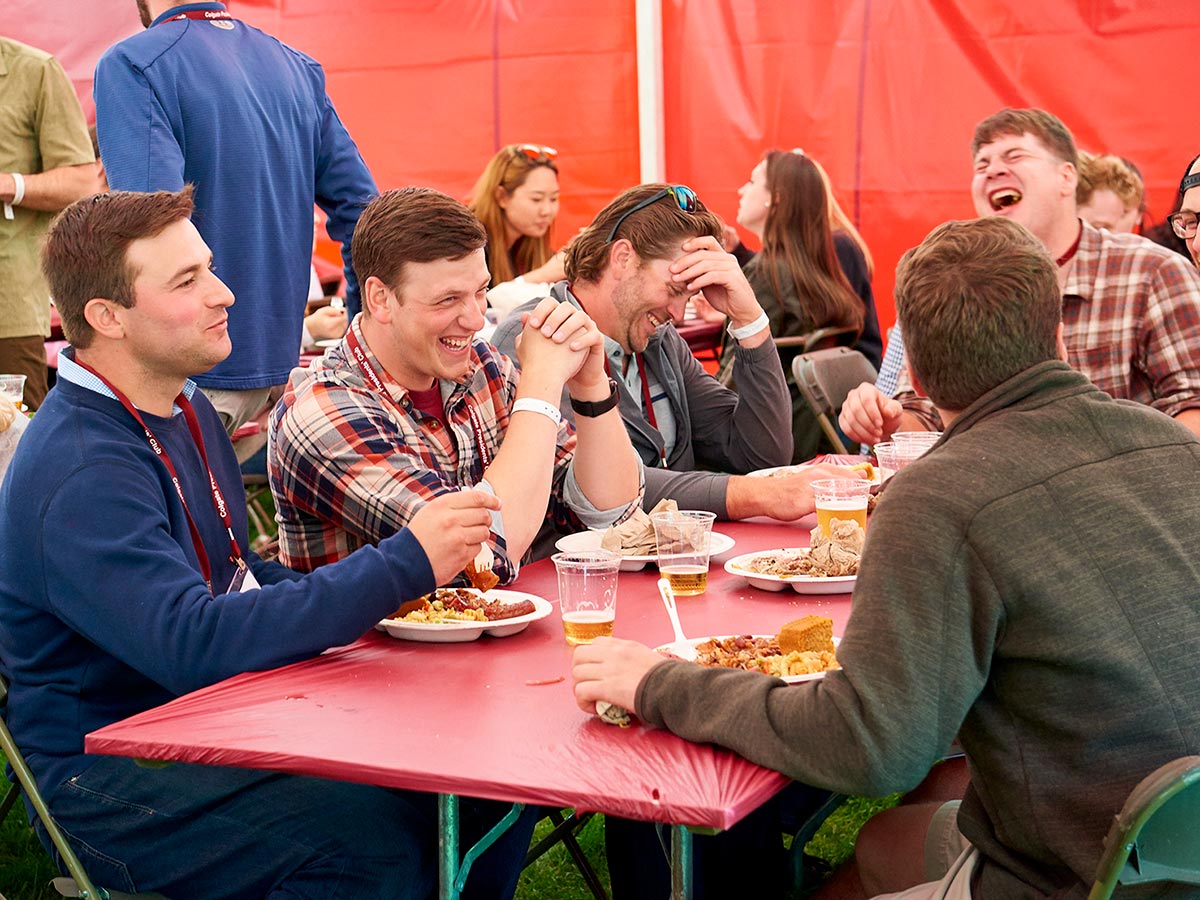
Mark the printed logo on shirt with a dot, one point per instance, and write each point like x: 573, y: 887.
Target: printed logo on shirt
x: 224, y: 26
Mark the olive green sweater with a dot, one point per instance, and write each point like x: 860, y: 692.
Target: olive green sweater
x: 1030, y: 585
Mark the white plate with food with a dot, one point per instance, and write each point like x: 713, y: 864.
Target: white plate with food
x: 801, y: 584
x: 718, y: 544
x: 782, y: 471
x: 768, y: 638
x: 458, y: 630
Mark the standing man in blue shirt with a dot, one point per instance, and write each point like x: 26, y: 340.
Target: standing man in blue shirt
x: 203, y: 98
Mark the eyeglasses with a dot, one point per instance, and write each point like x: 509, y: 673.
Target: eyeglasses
x: 684, y: 196
x: 1183, y: 223
x: 537, y: 152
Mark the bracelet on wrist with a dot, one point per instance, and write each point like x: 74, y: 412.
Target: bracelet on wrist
x: 590, y: 409
x: 541, y: 407
x: 740, y: 334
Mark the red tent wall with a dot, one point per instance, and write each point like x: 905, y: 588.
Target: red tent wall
x: 887, y: 95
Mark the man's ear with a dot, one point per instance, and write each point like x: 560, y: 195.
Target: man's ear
x: 375, y: 297
x: 1070, y: 179
x: 622, y: 259
x: 105, y: 317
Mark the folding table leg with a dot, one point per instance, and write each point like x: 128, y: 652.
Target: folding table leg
x: 681, y: 863
x: 447, y: 846
x: 452, y: 877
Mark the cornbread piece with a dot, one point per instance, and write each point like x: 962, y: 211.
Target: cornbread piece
x: 814, y: 633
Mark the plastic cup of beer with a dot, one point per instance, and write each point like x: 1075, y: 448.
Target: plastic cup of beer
x: 841, y: 498
x: 587, y: 593
x: 13, y: 387
x: 682, y: 537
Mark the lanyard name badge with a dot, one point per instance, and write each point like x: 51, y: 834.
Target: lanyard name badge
x: 368, y: 371
x: 204, y: 15
x: 243, y: 578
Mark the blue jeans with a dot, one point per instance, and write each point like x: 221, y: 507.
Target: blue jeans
x: 206, y: 832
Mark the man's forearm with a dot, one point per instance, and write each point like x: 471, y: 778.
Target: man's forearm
x: 605, y: 465
x: 53, y: 190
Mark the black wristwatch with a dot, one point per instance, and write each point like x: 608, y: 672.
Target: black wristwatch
x: 590, y: 410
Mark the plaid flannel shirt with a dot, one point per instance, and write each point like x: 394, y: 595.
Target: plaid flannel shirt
x: 348, y: 468
x: 1131, y: 323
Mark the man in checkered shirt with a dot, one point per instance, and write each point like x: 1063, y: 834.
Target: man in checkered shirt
x: 410, y: 405
x: 1131, y: 309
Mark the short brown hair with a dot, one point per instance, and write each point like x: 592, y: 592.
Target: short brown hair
x: 656, y: 231
x: 1047, y: 128
x: 978, y: 302
x: 84, y: 256
x: 408, y: 225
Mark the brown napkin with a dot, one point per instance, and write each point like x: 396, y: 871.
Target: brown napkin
x: 635, y: 536
x: 837, y: 554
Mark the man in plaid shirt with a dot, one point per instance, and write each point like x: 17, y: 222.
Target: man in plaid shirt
x: 410, y: 405
x: 1131, y: 309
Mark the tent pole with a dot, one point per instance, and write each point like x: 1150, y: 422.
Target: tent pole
x: 650, y: 90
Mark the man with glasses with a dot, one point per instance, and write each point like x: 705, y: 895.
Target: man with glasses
x: 633, y: 270
x: 1183, y: 222
x: 1131, y: 309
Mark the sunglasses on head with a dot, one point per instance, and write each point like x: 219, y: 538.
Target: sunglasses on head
x: 684, y: 196
x: 537, y: 152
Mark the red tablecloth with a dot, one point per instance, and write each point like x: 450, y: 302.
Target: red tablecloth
x: 479, y: 718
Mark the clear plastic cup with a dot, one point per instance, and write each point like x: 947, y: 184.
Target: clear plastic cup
x: 13, y: 387
x: 841, y: 498
x: 587, y: 593
x: 683, y: 542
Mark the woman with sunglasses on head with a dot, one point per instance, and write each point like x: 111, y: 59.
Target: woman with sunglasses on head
x: 799, y: 277
x: 516, y: 199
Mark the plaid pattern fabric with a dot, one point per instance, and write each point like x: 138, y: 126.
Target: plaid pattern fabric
x: 1131, y: 323
x: 1131, y: 314
x: 348, y: 468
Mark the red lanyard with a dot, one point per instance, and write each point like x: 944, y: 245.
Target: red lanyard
x: 1070, y: 254
x: 647, y: 403
x: 368, y: 370
x: 207, y: 14
x: 218, y: 499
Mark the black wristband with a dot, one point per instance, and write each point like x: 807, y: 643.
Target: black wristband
x: 590, y: 410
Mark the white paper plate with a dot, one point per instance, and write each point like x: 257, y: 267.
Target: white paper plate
x: 790, y: 679
x: 327, y: 342
x: 801, y: 584
x: 718, y: 544
x: 455, y: 632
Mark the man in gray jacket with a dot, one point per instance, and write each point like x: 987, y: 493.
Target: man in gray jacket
x: 632, y: 270
x: 1028, y: 586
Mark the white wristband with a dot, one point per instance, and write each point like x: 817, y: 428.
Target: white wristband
x: 18, y: 188
x: 541, y: 407
x: 740, y: 334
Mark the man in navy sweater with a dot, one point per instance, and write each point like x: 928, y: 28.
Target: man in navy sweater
x: 125, y: 583
x: 201, y: 98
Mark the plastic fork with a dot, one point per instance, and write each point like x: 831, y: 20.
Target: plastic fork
x: 681, y: 647
x: 484, y: 559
